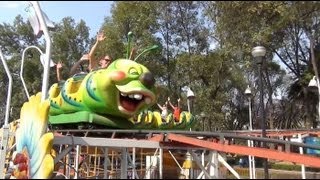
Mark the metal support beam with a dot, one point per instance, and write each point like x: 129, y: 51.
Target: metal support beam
x: 105, y: 163
x: 62, y: 154
x: 124, y: 163
x: 105, y: 142
x: 221, y: 159
x: 134, y: 171
x: 196, y: 159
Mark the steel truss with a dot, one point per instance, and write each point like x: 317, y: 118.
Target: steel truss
x: 145, y: 154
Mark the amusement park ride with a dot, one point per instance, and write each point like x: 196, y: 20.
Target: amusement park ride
x: 85, y: 128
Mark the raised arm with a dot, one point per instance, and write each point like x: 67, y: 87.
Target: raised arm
x: 172, y: 106
x: 92, y: 62
x: 179, y: 105
x: 159, y: 106
x: 74, y: 68
x: 58, y: 67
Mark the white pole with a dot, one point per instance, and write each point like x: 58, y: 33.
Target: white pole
x: 202, y: 162
x: 303, y: 168
x: 5, y: 134
x: 250, y: 161
x: 45, y: 80
x: 76, y: 164
x: 161, y: 163
x: 318, y: 84
x: 133, y: 163
x: 251, y: 158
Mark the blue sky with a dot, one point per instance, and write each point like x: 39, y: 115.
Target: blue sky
x: 92, y: 12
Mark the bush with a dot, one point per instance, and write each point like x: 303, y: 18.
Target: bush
x: 287, y: 167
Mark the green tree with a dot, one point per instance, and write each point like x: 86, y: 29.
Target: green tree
x: 280, y: 26
x: 70, y: 41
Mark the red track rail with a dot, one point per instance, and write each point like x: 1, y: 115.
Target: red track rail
x: 245, y: 150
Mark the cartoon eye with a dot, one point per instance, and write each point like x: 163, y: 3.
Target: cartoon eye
x: 133, y: 71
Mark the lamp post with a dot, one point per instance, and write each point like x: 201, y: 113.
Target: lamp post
x: 252, y: 170
x: 190, y: 97
x: 314, y: 85
x: 203, y: 116
x: 259, y: 53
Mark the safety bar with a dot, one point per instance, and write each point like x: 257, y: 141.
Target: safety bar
x: 22, y: 63
x: 9, y: 88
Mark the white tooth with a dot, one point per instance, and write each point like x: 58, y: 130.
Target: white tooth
x: 131, y: 96
x: 123, y: 94
x: 138, y: 96
x: 147, y: 100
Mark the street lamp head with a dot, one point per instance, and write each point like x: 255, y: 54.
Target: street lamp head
x: 313, y: 82
x: 190, y: 94
x: 247, y: 92
x: 258, y: 51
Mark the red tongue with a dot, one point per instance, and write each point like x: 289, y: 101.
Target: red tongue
x: 129, y: 106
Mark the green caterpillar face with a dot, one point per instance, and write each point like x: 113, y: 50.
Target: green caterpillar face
x: 125, y: 88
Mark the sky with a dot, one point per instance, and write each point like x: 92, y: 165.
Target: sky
x: 92, y: 12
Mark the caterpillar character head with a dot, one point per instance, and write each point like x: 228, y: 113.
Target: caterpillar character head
x: 123, y: 89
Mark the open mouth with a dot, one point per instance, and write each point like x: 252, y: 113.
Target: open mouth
x: 130, y: 102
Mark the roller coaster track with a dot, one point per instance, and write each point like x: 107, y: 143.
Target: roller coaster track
x: 216, y: 141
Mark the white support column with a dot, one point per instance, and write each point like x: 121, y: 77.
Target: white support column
x: 148, y: 165
x: 191, y: 168
x: 202, y: 162
x: 252, y: 167
x: 124, y: 163
x: 253, y: 163
x: 250, y: 164
x: 3, y: 150
x: 151, y: 161
x: 133, y: 163
x: 68, y: 165
x: 76, y: 163
x: 214, y: 166
x: 161, y: 163
x: 105, y: 164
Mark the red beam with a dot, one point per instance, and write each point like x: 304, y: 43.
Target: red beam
x: 254, y: 151
x: 157, y: 138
